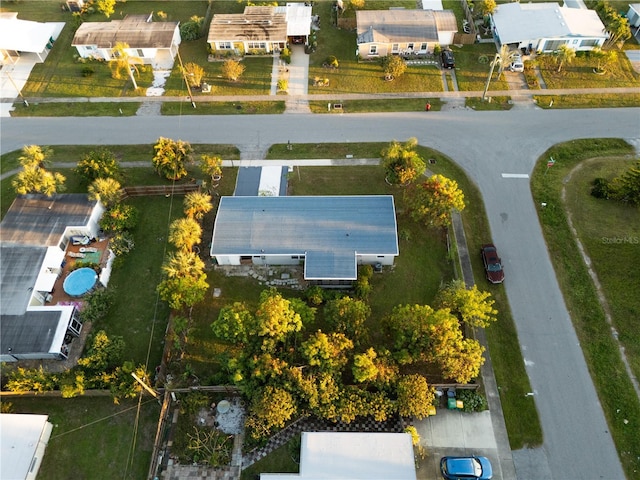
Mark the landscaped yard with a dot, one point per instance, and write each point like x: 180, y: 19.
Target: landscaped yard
x: 602, y: 227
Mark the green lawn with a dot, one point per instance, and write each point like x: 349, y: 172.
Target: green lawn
x: 222, y: 108
x: 621, y: 409
x: 589, y: 100
x: 75, y: 109
x: 579, y: 73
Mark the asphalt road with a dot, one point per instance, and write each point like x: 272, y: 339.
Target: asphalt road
x: 577, y: 443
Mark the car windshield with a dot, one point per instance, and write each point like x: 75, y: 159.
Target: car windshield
x: 465, y: 466
x: 494, y: 267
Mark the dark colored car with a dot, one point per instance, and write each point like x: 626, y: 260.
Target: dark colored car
x: 492, y: 263
x: 463, y: 468
x: 447, y: 59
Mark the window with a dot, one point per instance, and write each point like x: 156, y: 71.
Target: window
x: 395, y: 47
x: 224, y: 45
x: 140, y: 52
x: 410, y: 46
x: 423, y: 47
x: 256, y: 45
x: 552, y: 45
x: 373, y: 50
x: 591, y: 42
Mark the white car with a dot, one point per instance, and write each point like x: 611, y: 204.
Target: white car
x: 516, y: 64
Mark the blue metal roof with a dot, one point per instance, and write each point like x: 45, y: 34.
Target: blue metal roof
x: 330, y: 231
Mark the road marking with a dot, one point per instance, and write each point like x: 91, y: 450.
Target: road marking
x: 515, y: 175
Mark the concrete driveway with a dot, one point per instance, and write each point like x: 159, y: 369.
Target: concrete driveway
x: 487, y: 145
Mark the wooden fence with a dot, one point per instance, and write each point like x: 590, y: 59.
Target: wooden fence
x: 144, y: 191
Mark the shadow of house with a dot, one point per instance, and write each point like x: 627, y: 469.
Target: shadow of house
x: 34, y: 235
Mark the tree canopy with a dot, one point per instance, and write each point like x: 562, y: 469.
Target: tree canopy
x: 34, y: 178
x: 474, y: 307
x: 171, y: 157
x: 100, y: 163
x: 401, y: 162
x: 232, y: 70
x: 430, y: 202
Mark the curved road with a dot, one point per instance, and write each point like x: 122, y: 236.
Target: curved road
x: 577, y: 443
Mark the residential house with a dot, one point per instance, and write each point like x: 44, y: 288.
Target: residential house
x: 156, y: 43
x: 34, y: 235
x: 403, y: 32
x: 330, y: 235
x: 633, y: 14
x: 298, y: 18
x: 24, y: 36
x: 352, y: 456
x: 259, y: 30
x: 23, y: 441
x: 544, y: 27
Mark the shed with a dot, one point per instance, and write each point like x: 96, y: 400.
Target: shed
x: 332, y: 235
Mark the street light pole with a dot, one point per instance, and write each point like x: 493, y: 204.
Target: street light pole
x: 24, y: 100
x: 493, y: 65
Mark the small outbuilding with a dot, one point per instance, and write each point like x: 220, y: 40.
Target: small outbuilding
x: 330, y: 235
x: 24, y: 36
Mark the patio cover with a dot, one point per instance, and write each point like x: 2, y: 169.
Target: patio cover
x: 24, y: 35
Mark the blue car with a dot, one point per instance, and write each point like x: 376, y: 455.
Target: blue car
x: 462, y: 468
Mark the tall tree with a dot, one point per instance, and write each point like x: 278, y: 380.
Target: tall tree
x: 415, y: 396
x: 234, y: 324
x: 185, y: 233
x: 473, y: 306
x: 180, y: 292
x: 348, y: 315
x: 604, y: 58
x: 183, y: 264
x: 35, y: 155
x: 106, y: 7
x: 401, y: 162
x: 100, y: 163
x: 105, y: 190
x: 461, y: 360
x: 35, y: 179
x: 565, y: 54
x: 431, y: 201
x: 197, y: 204
x: 327, y: 352
x: 486, y: 7
x: 193, y: 73
x: 171, y: 157
x: 271, y: 408
x: 232, y: 70
x: 275, y: 318
x: 393, y: 66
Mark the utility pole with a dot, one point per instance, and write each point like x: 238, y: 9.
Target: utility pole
x: 24, y: 100
x: 145, y: 386
x: 493, y: 65
x: 184, y: 76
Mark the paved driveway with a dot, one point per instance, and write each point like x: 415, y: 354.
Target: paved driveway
x: 486, y: 145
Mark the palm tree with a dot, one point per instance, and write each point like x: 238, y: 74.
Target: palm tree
x: 105, y: 190
x: 184, y: 233
x: 34, y: 179
x: 170, y: 158
x: 183, y: 264
x: 123, y: 61
x: 35, y: 155
x: 566, y: 54
x: 211, y: 166
x: 196, y: 204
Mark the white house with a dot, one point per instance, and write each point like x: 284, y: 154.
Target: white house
x: 156, y: 43
x: 23, y: 441
x: 544, y: 27
x: 352, y: 456
x: 34, y: 235
x: 18, y: 36
x: 403, y: 32
x: 330, y: 235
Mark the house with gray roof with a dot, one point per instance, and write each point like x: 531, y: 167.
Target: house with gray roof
x: 403, y: 32
x: 330, y: 235
x: 156, y: 43
x: 34, y: 235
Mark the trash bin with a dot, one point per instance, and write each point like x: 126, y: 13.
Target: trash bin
x: 452, y: 404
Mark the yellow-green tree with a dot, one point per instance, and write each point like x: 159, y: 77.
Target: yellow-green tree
x: 327, y: 352
x: 232, y: 70
x: 34, y: 178
x: 171, y: 157
x: 565, y: 55
x: 364, y: 367
x: 105, y: 190
x: 460, y: 360
x: 430, y: 202
x: 123, y: 62
x: 271, y: 408
x: 393, y: 66
x: 401, y: 162
x: 185, y: 233
x: 100, y: 163
x: 211, y: 166
x: 473, y: 306
x: 275, y: 318
x: 415, y: 396
x: 193, y: 73
x: 197, y: 204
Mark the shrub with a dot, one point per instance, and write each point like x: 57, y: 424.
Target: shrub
x: 472, y: 400
x: 600, y: 188
x: 119, y: 218
x: 285, y: 55
x: 87, y: 71
x: 314, y: 295
x: 121, y: 243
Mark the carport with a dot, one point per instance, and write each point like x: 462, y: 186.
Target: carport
x: 18, y: 36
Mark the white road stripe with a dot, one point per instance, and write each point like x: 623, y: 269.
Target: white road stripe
x: 515, y: 175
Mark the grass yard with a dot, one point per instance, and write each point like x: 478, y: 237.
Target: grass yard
x: 588, y: 100
x: 579, y: 73
x: 94, y: 439
x: 223, y: 108
x: 385, y: 105
x: 280, y: 460
x: 75, y: 109
x: 472, y: 68
x: 612, y: 261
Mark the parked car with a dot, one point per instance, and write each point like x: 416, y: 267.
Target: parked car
x: 463, y: 468
x: 447, y: 59
x: 492, y: 263
x: 516, y: 64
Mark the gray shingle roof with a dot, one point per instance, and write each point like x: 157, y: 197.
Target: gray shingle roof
x: 40, y: 220
x: 401, y: 26
x: 255, y: 24
x: 134, y: 30
x: 32, y: 332
x: 20, y: 268
x: 330, y: 230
